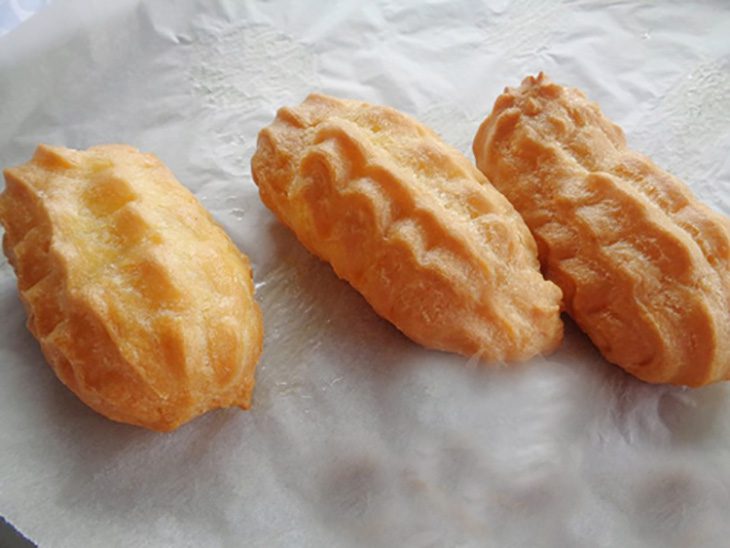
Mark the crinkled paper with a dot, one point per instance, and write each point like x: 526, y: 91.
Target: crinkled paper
x: 357, y: 436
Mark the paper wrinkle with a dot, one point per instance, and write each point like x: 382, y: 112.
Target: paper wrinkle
x: 357, y: 436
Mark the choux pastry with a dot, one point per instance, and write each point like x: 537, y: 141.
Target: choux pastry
x: 142, y: 305
x: 411, y: 224
x: 643, y: 265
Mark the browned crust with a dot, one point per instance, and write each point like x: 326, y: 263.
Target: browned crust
x: 142, y: 305
x: 411, y: 224
x: 643, y: 265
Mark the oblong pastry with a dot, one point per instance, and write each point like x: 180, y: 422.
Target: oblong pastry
x: 411, y: 224
x: 644, y: 267
x: 142, y: 305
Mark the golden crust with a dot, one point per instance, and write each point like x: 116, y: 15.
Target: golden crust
x: 142, y: 305
x: 644, y: 266
x: 411, y: 224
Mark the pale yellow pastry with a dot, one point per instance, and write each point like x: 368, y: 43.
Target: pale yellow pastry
x: 411, y: 224
x: 141, y: 303
x: 644, y: 267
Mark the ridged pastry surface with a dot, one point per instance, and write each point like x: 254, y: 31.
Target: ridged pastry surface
x: 142, y: 305
x: 411, y: 224
x: 643, y: 265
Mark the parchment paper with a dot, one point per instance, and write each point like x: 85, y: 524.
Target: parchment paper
x: 357, y: 435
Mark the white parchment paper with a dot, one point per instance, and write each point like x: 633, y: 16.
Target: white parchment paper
x: 358, y: 436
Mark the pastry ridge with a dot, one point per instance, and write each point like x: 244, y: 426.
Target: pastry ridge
x: 411, y: 224
x: 141, y: 303
x: 643, y: 265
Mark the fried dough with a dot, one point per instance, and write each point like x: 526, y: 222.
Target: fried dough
x: 643, y: 265
x: 411, y: 224
x: 142, y: 305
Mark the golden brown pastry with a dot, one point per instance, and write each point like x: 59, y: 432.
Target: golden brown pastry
x: 411, y: 224
x: 142, y: 305
x: 644, y: 267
